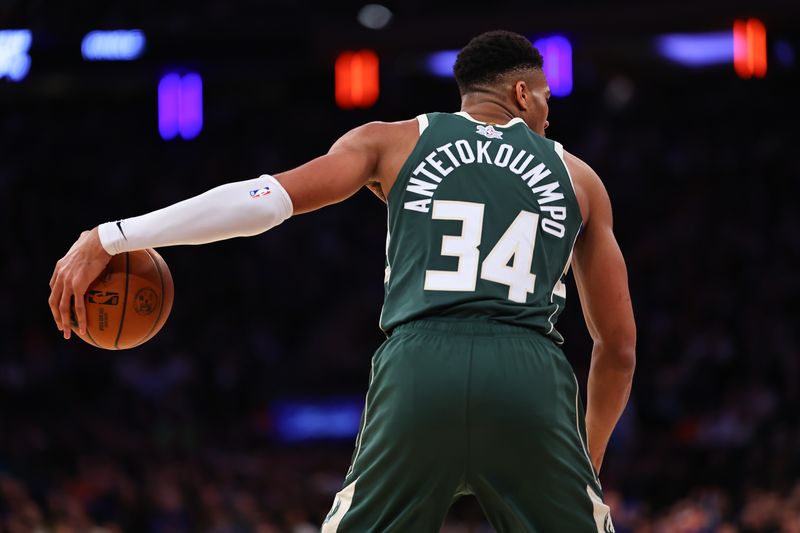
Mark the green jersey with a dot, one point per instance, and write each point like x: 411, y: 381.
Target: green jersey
x: 482, y: 222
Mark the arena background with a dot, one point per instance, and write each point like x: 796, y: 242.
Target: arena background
x: 239, y: 415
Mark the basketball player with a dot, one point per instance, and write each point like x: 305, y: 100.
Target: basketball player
x: 470, y: 393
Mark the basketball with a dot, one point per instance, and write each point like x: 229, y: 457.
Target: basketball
x: 129, y: 302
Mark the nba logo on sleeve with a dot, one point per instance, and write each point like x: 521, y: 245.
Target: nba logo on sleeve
x: 258, y: 193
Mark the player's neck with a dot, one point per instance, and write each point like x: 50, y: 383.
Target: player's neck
x: 487, y: 108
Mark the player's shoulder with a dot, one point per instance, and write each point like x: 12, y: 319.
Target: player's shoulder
x: 582, y: 173
x: 385, y: 133
x: 576, y: 165
x: 378, y: 127
x: 587, y: 183
x: 373, y: 135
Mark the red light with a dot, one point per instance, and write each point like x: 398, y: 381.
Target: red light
x: 750, y: 48
x: 357, y: 79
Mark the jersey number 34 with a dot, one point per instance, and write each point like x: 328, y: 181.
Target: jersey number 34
x: 509, y: 262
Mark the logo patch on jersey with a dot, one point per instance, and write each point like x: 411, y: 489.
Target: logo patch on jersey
x: 263, y: 191
x: 489, y: 132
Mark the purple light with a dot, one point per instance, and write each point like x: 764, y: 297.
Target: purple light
x: 310, y: 419
x: 697, y: 49
x: 180, y: 106
x: 785, y: 53
x: 14, y: 59
x: 169, y: 101
x: 191, y: 106
x: 556, y: 50
x: 557, y: 54
x: 117, y: 45
x: 441, y: 63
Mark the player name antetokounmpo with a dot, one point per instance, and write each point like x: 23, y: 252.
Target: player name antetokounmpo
x: 446, y: 158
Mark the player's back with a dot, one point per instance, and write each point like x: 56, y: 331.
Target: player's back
x: 482, y: 222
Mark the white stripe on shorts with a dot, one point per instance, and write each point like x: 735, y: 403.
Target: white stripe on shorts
x: 341, y: 504
x: 601, y: 512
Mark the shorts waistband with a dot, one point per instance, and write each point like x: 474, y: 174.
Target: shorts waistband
x: 486, y: 328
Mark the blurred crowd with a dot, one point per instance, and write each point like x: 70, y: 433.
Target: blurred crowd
x: 176, y: 435
x: 289, y: 491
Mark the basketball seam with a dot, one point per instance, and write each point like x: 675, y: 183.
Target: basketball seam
x: 74, y: 320
x: 91, y: 339
x: 124, y: 301
x: 161, y: 306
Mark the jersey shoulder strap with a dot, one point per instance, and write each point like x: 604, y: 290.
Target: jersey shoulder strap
x: 426, y: 120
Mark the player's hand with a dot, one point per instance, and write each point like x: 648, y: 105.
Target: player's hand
x: 73, y: 273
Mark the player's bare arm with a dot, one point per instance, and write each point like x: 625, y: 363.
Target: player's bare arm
x: 367, y: 155
x: 602, y: 281
x: 370, y: 155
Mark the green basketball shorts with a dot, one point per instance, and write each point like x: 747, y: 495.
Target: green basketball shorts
x: 457, y: 407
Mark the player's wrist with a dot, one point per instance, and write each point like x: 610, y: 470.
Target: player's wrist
x: 97, y: 243
x: 110, y: 238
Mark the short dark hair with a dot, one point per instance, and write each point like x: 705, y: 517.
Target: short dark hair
x: 492, y: 54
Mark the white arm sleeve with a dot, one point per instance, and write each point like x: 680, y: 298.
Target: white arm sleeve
x: 237, y: 209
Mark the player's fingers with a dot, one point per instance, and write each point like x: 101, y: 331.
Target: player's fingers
x: 53, y: 301
x: 80, y: 309
x: 63, y: 308
x: 55, y: 275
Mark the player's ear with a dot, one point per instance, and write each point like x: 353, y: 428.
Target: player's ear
x: 521, y: 95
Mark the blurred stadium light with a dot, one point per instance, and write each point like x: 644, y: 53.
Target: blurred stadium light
x: 745, y: 47
x: 14, y: 59
x: 357, y: 79
x: 117, y: 45
x: 374, y: 16
x: 190, y: 117
x: 557, y: 53
x: 750, y: 48
x: 556, y: 50
x: 180, y: 106
x: 696, y: 49
x: 169, y: 90
x: 784, y: 52
x: 441, y: 63
x: 302, y: 420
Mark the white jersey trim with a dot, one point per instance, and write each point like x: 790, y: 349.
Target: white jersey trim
x: 578, y: 430
x: 423, y: 123
x: 559, y: 288
x: 363, y: 428
x: 559, y: 149
x: 515, y: 120
x: 387, y: 272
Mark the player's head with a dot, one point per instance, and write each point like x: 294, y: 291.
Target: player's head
x: 506, y: 65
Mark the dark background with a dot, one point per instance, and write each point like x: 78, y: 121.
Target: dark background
x: 178, y: 435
